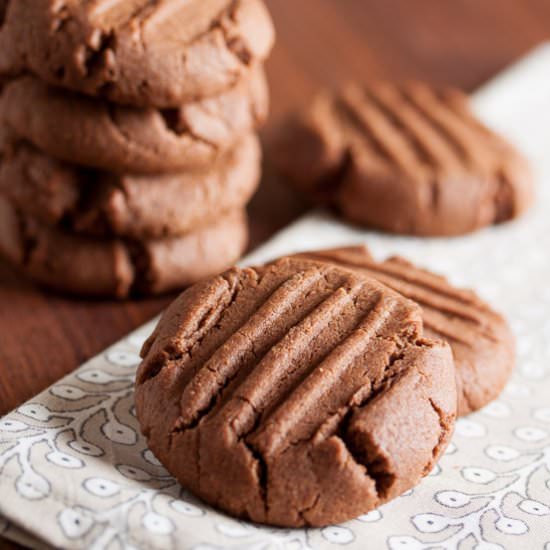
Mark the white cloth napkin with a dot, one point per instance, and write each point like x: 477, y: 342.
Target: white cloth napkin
x: 75, y: 472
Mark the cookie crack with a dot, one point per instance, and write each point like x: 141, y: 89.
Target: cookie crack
x: 369, y: 455
x: 28, y: 241
x: 375, y: 464
x: 88, y: 214
x: 359, y: 398
x: 303, y: 511
x: 175, y: 123
x: 61, y: 16
x: 97, y: 57
x: 235, y: 44
x: 259, y: 459
x: 141, y: 263
x: 237, y: 47
x: 262, y: 473
x: 444, y: 421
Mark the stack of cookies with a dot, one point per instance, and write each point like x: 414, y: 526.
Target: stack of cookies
x: 128, y: 139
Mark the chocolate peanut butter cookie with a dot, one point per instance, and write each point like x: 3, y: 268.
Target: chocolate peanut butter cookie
x: 139, y: 207
x: 136, y: 52
x: 106, y: 136
x: 404, y: 158
x: 295, y: 394
x: 480, y: 338
x: 114, y: 267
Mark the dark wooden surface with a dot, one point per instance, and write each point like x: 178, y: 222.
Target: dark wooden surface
x: 320, y: 42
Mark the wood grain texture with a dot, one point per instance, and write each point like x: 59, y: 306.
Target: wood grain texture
x: 320, y: 43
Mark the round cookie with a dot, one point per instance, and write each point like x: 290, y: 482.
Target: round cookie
x: 117, y: 268
x: 404, y: 159
x: 106, y: 136
x: 136, y: 52
x: 295, y: 394
x: 134, y: 206
x: 481, y: 340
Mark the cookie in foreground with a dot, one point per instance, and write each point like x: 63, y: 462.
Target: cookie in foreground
x: 404, y: 158
x: 481, y: 340
x: 295, y: 394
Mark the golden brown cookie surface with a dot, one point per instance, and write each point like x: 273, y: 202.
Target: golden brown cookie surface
x: 405, y: 159
x: 295, y: 394
x: 482, y: 343
x: 134, y: 206
x: 114, y: 267
x: 102, y: 135
x: 136, y: 52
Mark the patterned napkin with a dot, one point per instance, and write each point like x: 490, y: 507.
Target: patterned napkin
x: 75, y: 472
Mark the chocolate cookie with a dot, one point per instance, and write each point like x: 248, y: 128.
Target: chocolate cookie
x: 102, y: 135
x: 295, y: 394
x: 136, y: 52
x: 480, y: 338
x: 140, y: 207
x: 114, y: 267
x: 406, y: 159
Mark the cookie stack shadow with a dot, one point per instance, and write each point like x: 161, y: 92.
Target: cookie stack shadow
x: 127, y: 170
